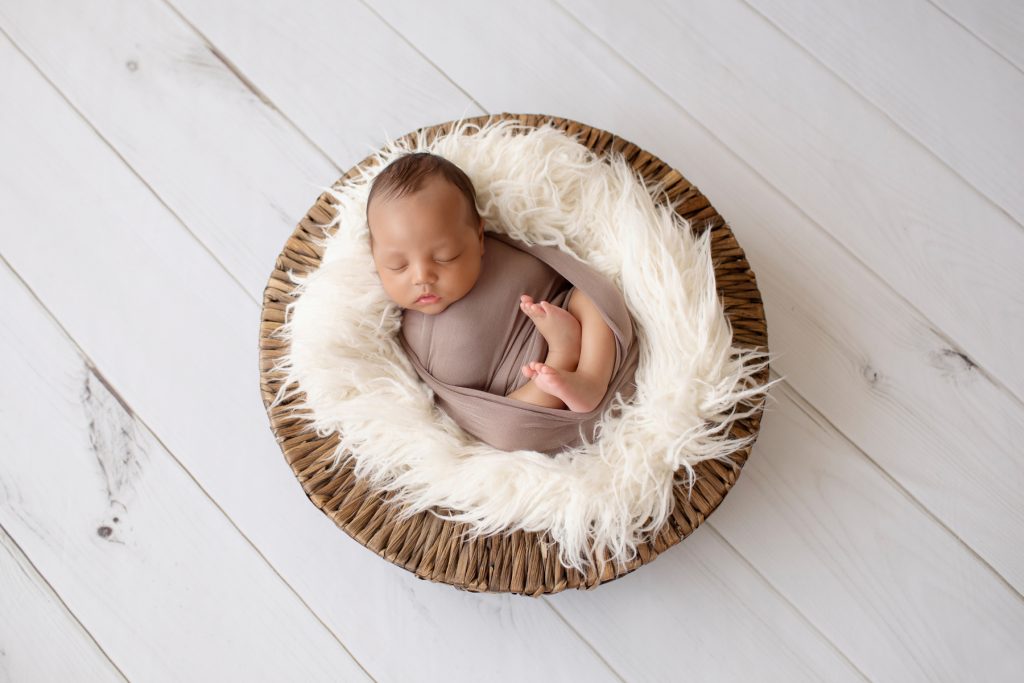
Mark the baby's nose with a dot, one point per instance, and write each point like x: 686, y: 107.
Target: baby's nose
x: 425, y: 276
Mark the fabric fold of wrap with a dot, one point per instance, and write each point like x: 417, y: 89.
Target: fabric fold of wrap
x: 471, y: 354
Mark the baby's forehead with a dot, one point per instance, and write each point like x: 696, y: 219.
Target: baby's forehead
x: 443, y: 237
x: 436, y: 230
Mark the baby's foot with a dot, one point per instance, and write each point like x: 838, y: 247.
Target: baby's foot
x: 559, y: 327
x: 578, y: 393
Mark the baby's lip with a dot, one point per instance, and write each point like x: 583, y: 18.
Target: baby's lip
x: 428, y: 296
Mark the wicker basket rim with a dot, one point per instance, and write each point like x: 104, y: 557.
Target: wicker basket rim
x: 521, y: 562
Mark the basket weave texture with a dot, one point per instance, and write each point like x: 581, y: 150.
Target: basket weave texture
x: 518, y: 562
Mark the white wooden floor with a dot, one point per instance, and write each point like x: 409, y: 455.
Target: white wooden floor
x: 156, y: 155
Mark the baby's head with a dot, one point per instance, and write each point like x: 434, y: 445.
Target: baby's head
x: 426, y: 235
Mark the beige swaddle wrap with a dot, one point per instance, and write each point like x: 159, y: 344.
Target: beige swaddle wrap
x: 471, y: 354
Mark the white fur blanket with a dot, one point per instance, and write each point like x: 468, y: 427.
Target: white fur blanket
x: 542, y: 187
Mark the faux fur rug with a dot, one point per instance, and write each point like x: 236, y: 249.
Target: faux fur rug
x: 541, y: 187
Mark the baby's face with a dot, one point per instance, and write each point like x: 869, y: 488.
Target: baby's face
x: 425, y: 243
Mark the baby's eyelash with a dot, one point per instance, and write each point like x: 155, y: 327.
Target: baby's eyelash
x: 447, y: 261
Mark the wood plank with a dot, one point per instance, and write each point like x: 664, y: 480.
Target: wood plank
x: 997, y: 23
x: 37, y: 624
x: 176, y: 337
x: 903, y: 598
x: 699, y: 612
x: 169, y: 75
x: 144, y: 559
x: 908, y: 217
x: 877, y: 369
x: 949, y: 91
x: 188, y: 88
x: 387, y: 90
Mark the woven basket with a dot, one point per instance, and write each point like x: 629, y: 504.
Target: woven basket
x: 520, y: 562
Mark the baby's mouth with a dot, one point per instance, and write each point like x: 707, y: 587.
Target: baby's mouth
x: 428, y: 299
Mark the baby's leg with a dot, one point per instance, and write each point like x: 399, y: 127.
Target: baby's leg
x: 582, y: 389
x: 563, y: 333
x: 560, y: 329
x: 533, y: 394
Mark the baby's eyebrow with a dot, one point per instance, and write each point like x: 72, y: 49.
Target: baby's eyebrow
x: 437, y: 247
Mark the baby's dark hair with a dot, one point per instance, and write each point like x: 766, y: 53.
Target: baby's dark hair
x: 407, y: 173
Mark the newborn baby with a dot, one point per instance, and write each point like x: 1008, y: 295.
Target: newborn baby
x: 427, y: 241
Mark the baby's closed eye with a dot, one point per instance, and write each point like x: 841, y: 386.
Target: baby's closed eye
x: 437, y: 260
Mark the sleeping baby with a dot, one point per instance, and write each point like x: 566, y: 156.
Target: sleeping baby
x: 435, y: 261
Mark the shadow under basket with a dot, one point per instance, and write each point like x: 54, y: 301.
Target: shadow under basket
x: 520, y: 562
